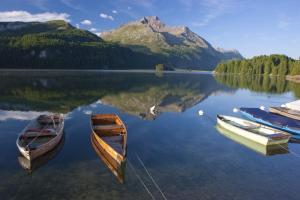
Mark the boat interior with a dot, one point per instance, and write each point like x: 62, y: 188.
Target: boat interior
x: 39, y: 132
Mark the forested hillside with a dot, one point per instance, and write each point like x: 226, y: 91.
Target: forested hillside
x: 267, y: 65
x: 57, y: 44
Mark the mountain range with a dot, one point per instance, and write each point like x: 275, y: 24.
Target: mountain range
x: 177, y: 46
x: 136, y: 45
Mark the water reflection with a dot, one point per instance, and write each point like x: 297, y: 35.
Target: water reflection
x: 180, y: 149
x: 131, y: 93
x: 267, y: 84
x: 31, y: 165
x: 262, y: 149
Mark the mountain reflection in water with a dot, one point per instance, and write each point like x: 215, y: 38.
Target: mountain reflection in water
x: 182, y: 151
x: 131, y: 93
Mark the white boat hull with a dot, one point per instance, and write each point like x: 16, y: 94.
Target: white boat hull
x: 250, y: 135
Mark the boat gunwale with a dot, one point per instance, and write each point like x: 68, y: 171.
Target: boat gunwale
x: 115, y: 171
x: 118, y: 156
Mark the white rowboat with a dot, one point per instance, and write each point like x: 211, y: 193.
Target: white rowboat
x: 253, y: 131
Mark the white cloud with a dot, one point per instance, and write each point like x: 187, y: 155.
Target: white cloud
x: 87, y: 112
x: 211, y: 9
x: 77, y: 26
x: 93, y: 29
x: 20, y: 115
x: 114, y: 11
x: 143, y: 3
x: 106, y: 16
x: 24, y: 16
x: 70, y: 4
x: 41, y: 4
x: 86, y: 22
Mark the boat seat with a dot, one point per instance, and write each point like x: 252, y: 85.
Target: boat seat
x: 108, y: 127
x: 39, y: 132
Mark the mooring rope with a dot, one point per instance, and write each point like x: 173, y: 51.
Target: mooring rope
x: 140, y: 179
x: 151, y: 177
x: 292, y: 152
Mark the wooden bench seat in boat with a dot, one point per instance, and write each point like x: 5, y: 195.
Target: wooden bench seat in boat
x: 39, y: 132
x: 108, y: 127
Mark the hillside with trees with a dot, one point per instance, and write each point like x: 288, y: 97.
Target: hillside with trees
x: 59, y: 45
x: 261, y: 65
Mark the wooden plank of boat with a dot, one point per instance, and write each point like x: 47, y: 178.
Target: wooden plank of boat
x: 294, y: 114
x: 110, y: 134
x: 116, y: 168
x: 253, y: 131
x: 40, y: 136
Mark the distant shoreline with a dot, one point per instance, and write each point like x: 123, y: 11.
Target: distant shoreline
x: 177, y: 71
x: 293, y: 78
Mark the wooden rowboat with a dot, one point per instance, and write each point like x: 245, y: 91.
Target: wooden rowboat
x: 287, y: 112
x: 40, y: 136
x: 109, y: 139
x: 253, y: 131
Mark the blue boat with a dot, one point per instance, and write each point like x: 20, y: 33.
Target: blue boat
x: 273, y: 120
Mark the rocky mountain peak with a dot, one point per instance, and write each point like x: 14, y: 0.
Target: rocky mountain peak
x: 153, y: 22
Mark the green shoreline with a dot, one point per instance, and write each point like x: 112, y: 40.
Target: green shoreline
x: 103, y: 70
x: 293, y: 78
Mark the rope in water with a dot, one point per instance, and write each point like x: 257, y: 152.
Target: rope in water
x: 154, y: 182
x: 292, y: 152
x: 140, y: 179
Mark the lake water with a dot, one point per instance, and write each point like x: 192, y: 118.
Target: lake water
x: 176, y: 154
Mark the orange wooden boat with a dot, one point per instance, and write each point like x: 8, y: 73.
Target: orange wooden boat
x: 109, y: 139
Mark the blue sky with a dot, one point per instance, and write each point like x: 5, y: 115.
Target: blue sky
x: 253, y: 27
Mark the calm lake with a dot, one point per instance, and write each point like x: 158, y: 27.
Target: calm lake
x: 176, y: 154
